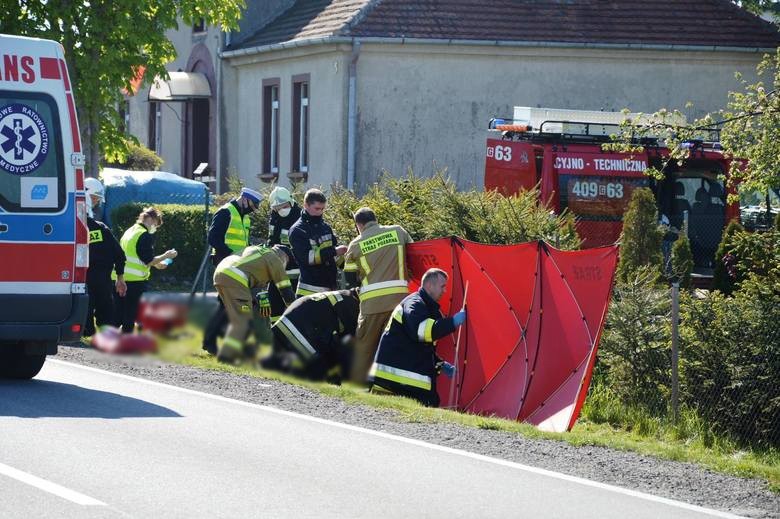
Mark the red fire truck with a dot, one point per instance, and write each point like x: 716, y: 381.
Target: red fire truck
x: 561, y: 152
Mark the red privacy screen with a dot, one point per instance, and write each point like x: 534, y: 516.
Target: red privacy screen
x: 534, y: 318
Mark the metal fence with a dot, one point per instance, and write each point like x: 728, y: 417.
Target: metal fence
x: 706, y: 362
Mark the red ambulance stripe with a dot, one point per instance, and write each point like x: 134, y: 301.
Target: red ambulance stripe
x: 74, y: 126
x: 50, y: 68
x: 36, y: 261
x: 80, y: 179
x: 65, y: 78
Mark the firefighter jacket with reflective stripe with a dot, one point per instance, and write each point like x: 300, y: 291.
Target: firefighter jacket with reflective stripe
x: 378, y: 257
x: 315, y: 324
x: 279, y: 234
x: 229, y: 231
x: 135, y: 268
x: 255, y: 268
x: 105, y: 252
x: 314, y: 247
x: 406, y: 356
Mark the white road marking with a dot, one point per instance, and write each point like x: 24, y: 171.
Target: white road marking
x: 48, y: 486
x: 420, y: 443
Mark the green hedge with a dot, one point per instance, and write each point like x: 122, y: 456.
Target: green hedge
x: 729, y: 347
x: 183, y: 229
x: 730, y: 360
x: 433, y: 207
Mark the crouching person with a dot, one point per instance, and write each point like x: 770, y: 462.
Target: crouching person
x: 406, y: 361
x: 318, y: 329
x: 235, y: 277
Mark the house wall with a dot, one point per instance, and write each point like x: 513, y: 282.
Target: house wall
x: 173, y: 141
x: 243, y: 125
x: 427, y: 106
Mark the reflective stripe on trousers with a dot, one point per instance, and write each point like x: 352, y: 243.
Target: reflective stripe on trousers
x: 401, y: 376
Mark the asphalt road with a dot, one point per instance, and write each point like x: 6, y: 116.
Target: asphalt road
x: 78, y: 442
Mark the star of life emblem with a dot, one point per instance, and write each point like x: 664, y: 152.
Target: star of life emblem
x: 24, y: 139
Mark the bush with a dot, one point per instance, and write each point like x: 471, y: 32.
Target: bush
x: 634, y: 348
x: 183, y: 229
x: 682, y: 260
x: 756, y: 253
x: 640, y: 240
x: 426, y: 207
x: 730, y: 360
x: 433, y: 207
x: 139, y: 158
x: 722, y: 279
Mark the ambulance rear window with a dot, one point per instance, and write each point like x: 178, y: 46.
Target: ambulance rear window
x: 32, y: 172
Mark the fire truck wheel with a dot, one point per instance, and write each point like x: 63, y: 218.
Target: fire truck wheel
x: 16, y: 364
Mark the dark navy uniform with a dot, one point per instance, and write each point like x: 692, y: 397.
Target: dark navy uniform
x: 406, y: 362
x: 279, y: 234
x: 314, y: 247
x: 105, y: 256
x: 317, y: 328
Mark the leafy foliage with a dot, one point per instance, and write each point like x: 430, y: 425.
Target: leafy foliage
x: 634, y: 347
x: 183, y: 229
x: 140, y: 158
x: 682, y: 260
x: 641, y: 236
x: 724, y: 276
x: 107, y: 44
x: 433, y: 207
x: 730, y: 360
x: 749, y: 131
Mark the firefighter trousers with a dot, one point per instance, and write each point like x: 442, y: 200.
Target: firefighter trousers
x: 369, y: 331
x: 238, y: 305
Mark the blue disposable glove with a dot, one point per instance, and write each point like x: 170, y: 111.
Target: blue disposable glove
x: 448, y: 369
x: 459, y: 318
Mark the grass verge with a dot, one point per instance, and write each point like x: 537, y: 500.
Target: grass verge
x: 604, y: 422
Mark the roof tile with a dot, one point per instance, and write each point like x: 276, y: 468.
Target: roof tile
x: 662, y: 22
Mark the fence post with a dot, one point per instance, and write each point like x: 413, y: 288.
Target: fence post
x: 675, y: 351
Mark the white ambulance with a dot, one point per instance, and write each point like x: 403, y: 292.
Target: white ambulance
x: 44, y: 251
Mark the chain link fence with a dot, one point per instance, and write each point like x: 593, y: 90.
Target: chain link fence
x: 705, y: 363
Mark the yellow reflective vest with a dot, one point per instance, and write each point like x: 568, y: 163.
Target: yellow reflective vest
x: 135, y: 269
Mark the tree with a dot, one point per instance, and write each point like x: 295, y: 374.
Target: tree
x: 749, y: 131
x: 759, y: 7
x: 723, y: 278
x: 107, y: 43
x: 682, y: 261
x: 640, y: 241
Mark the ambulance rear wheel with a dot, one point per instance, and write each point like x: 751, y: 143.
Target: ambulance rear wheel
x: 16, y: 364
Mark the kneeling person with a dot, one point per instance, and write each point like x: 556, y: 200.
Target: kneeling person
x: 406, y: 361
x: 318, y: 329
x: 235, y: 277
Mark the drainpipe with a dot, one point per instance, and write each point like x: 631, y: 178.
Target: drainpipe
x: 222, y: 41
x: 352, y: 115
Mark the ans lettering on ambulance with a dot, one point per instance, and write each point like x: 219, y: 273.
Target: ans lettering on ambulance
x: 43, y: 211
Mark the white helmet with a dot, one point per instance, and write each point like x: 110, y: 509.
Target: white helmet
x: 279, y: 196
x: 94, y: 187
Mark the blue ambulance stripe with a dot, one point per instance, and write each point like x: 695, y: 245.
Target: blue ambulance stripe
x: 29, y: 227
